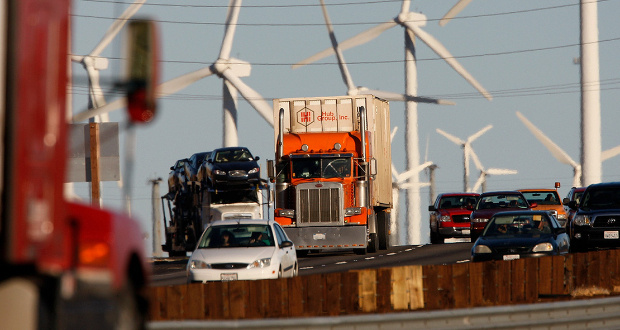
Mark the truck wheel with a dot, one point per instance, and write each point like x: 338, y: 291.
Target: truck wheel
x: 383, y: 230
x: 129, y: 315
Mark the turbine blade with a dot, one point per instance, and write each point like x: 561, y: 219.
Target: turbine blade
x: 610, y: 153
x: 414, y: 171
x: 391, y: 96
x: 555, y: 150
x: 455, y: 10
x: 500, y: 171
x: 234, y: 6
x: 344, y: 71
x: 250, y: 95
x: 451, y: 137
x: 479, y: 133
x: 438, y: 48
x: 114, y: 105
x: 116, y: 27
x: 394, y: 130
x: 474, y: 156
x: 356, y: 40
x: 176, y: 84
x: 479, y: 182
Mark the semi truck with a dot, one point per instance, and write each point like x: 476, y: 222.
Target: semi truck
x: 63, y: 265
x: 332, y: 172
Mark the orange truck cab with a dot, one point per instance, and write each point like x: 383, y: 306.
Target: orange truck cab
x: 548, y: 200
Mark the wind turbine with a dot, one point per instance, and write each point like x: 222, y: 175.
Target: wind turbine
x: 228, y: 68
x: 560, y: 154
x: 412, y: 22
x: 93, y: 63
x: 399, y: 182
x: 466, y: 145
x: 482, y: 179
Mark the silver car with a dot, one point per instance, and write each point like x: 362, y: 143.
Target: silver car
x: 242, y: 249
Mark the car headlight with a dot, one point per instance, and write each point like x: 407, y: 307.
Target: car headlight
x: 581, y: 220
x: 543, y: 247
x: 198, y: 264
x: 482, y: 249
x: 254, y: 170
x: 260, y: 263
x: 219, y: 172
x: 561, y: 216
x: 445, y: 218
x: 352, y: 211
x: 480, y: 220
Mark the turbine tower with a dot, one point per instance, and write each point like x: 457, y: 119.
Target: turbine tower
x: 466, y: 145
x: 228, y: 68
x: 412, y: 23
x: 482, y: 179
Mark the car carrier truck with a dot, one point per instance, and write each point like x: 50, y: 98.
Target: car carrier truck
x: 332, y: 172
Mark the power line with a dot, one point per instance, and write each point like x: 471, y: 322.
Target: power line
x: 515, y: 12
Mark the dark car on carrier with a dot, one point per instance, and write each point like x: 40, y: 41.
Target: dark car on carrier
x: 596, y: 222
x: 232, y: 167
x: 449, y: 216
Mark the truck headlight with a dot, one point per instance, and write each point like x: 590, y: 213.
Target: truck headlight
x: 260, y: 263
x: 543, y: 247
x: 482, y: 249
x: 198, y: 264
x: 445, y: 218
x: 562, y: 216
x: 352, y: 211
x: 581, y: 220
x: 287, y: 213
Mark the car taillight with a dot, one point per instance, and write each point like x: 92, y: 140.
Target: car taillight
x: 94, y: 254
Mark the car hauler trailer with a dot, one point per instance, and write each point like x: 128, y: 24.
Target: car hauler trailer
x: 332, y: 172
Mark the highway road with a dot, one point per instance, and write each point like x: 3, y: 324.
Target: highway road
x: 172, y: 271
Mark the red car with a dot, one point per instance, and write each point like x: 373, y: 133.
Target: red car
x: 490, y: 203
x: 449, y: 215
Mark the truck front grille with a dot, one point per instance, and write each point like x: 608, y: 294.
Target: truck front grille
x: 319, y: 205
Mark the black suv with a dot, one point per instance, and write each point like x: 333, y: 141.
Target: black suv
x: 596, y: 222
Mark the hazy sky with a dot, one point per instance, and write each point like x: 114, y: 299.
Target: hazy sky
x: 522, y: 52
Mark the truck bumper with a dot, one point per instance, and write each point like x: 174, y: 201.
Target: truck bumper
x: 328, y: 238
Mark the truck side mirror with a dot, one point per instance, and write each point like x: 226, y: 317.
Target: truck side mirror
x: 142, y: 71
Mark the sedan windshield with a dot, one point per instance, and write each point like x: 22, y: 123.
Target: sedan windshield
x: 501, y: 201
x: 518, y: 225
x: 241, y: 235
x: 239, y: 155
x: 339, y: 167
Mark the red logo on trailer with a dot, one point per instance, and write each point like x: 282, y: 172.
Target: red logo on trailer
x: 305, y: 116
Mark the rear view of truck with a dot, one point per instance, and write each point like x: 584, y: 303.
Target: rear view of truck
x: 332, y: 172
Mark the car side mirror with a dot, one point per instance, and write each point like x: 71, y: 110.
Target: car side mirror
x: 432, y: 208
x: 286, y: 244
x: 256, y: 158
x: 172, y: 168
x: 559, y: 231
x: 565, y: 201
x: 573, y: 205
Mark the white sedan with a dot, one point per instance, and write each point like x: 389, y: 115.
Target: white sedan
x: 244, y: 249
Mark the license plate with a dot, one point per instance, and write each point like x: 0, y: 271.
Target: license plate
x: 228, y: 277
x: 511, y: 256
x: 465, y: 231
x: 611, y: 234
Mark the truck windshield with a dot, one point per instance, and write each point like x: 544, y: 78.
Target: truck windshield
x: 601, y: 198
x: 338, y: 167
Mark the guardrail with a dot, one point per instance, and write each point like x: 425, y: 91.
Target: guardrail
x: 602, y: 313
x: 389, y: 290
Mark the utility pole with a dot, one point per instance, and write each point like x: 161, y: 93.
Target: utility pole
x: 157, y: 251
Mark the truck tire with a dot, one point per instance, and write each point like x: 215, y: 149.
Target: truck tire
x: 383, y: 229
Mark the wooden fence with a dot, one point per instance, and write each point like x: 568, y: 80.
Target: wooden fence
x: 387, y: 290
